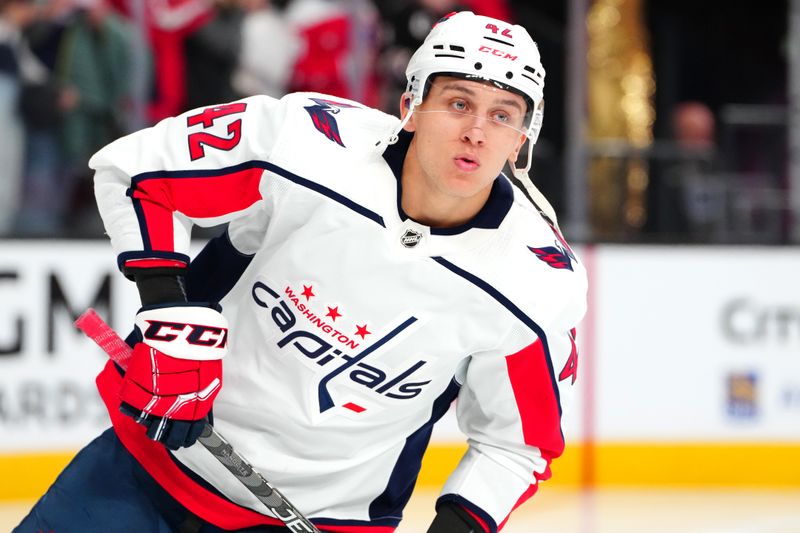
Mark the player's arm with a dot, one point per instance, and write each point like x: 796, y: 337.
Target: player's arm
x: 210, y: 276
x: 151, y: 186
x: 203, y: 167
x: 510, y: 407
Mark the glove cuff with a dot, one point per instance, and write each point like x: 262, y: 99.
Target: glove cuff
x: 452, y: 518
x: 159, y: 285
x: 184, y: 331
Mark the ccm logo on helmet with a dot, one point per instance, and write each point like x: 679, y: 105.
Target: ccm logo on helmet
x: 496, y: 52
x: 198, y: 334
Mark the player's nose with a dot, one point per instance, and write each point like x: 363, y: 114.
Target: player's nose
x: 474, y: 133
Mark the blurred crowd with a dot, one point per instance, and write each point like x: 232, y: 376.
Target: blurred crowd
x: 76, y: 74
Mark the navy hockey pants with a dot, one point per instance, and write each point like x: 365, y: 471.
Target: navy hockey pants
x: 105, y: 490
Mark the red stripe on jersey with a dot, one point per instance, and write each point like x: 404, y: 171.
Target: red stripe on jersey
x: 154, y: 263
x: 478, y: 519
x: 533, y: 386
x: 158, y: 222
x: 156, y: 461
x: 522, y: 499
x: 195, y: 197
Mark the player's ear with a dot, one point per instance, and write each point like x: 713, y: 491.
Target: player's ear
x: 405, y: 109
x: 518, y: 147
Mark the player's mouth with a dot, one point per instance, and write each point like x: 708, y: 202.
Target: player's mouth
x: 467, y: 162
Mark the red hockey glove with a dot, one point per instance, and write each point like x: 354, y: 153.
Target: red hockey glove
x: 176, y: 371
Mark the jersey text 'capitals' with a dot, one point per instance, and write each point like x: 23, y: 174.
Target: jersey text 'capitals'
x: 321, y: 350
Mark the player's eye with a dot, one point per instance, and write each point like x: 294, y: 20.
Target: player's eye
x: 501, y: 116
x: 459, y: 105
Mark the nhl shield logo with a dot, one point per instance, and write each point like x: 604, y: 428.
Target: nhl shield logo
x: 410, y: 238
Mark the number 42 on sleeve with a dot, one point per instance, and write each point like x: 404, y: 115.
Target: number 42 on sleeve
x: 198, y: 140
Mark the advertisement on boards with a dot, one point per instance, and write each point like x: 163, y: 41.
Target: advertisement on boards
x: 697, y: 344
x: 48, y: 399
x: 687, y: 344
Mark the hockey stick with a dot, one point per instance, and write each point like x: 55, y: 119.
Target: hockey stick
x: 106, y: 338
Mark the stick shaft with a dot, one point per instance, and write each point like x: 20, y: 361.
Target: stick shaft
x: 106, y: 338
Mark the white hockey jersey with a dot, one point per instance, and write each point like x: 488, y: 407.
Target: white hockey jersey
x: 352, y: 327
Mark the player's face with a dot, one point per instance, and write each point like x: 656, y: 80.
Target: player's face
x: 464, y: 132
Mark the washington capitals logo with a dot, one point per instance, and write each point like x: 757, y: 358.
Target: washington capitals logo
x: 322, y: 115
x: 557, y: 256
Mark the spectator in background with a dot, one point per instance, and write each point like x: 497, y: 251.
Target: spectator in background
x: 693, y: 126
x: 366, y: 84
x: 170, y: 22
x: 212, y: 53
x: 94, y: 60
x: 268, y: 51
x: 18, y: 68
x: 336, y: 58
x: 694, y: 129
x: 692, y: 199
x: 46, y: 195
x: 322, y: 26
x: 405, y: 27
x: 166, y: 25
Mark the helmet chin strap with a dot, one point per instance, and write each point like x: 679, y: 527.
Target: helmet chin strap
x: 396, y: 133
x: 523, y: 171
x: 538, y: 198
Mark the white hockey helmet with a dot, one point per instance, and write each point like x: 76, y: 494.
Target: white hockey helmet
x: 481, y: 48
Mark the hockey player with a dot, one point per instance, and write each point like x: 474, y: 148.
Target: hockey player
x: 373, y: 271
